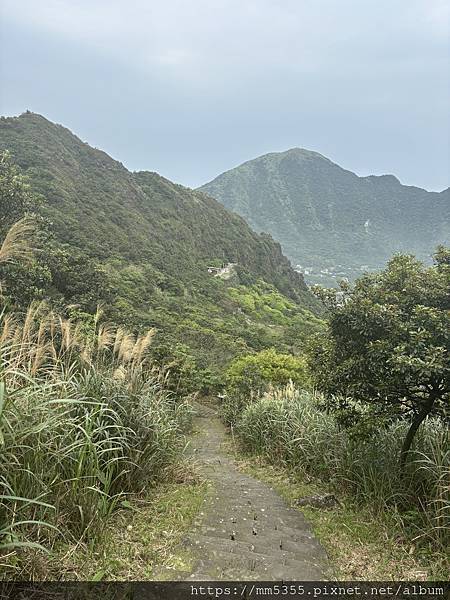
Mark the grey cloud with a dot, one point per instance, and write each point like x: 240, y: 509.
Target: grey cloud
x: 215, y: 82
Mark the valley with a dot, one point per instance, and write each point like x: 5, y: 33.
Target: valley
x: 176, y: 399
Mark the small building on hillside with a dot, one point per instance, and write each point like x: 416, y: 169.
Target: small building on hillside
x: 214, y: 270
x: 225, y: 271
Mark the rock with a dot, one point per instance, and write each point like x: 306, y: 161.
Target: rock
x: 318, y: 501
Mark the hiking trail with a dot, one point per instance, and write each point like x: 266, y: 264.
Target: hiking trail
x: 245, y: 530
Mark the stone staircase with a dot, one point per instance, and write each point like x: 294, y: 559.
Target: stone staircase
x: 245, y: 530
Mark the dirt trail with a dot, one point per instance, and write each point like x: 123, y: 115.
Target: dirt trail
x: 245, y: 529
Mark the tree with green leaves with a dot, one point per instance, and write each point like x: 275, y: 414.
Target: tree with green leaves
x: 21, y: 275
x: 253, y: 373
x: 388, y: 341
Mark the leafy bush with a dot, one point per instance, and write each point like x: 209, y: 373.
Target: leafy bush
x: 253, y: 373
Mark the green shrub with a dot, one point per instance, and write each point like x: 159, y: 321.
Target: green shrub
x: 290, y: 427
x: 255, y: 372
x: 250, y: 375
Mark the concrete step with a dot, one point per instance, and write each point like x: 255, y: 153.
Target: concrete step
x: 247, y: 563
x: 289, y: 553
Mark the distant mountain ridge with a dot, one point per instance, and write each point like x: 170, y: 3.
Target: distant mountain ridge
x: 96, y: 204
x: 142, y: 245
x: 330, y: 219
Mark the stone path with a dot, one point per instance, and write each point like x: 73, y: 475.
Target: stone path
x: 245, y: 530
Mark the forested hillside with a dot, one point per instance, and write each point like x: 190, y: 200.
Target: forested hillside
x: 142, y: 246
x: 244, y: 382
x: 328, y: 220
x: 96, y: 402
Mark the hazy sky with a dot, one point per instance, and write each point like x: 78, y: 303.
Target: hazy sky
x: 191, y: 88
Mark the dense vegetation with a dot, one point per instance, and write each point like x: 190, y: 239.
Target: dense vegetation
x: 94, y: 401
x: 379, y: 432
x: 328, y: 218
x: 293, y: 428
x: 388, y: 341
x: 84, y: 423
x: 86, y: 419
x: 141, y: 245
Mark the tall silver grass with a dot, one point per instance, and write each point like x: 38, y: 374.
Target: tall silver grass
x: 290, y: 427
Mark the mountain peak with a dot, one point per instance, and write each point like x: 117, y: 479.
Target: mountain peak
x: 328, y: 219
x: 296, y: 152
x: 385, y: 178
x: 107, y: 211
x: 27, y: 115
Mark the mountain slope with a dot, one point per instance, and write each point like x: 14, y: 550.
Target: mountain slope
x: 328, y: 218
x: 150, y: 242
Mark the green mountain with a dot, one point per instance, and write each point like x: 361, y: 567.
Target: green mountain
x: 143, y: 245
x: 329, y: 219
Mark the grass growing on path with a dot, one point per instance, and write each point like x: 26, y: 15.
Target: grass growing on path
x: 401, y: 517
x: 358, y: 546
x: 142, y: 542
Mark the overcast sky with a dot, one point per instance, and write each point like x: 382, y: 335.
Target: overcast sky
x: 191, y: 88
